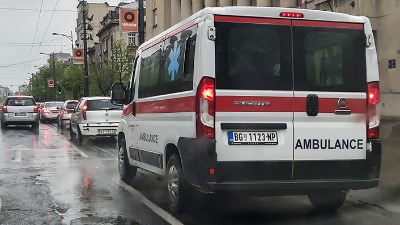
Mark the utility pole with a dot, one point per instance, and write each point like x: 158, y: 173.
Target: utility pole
x: 86, y: 74
x: 141, y: 22
x: 54, y: 77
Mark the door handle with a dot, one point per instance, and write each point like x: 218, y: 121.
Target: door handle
x: 312, y: 105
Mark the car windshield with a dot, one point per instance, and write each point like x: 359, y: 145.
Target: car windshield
x: 17, y: 101
x: 53, y: 104
x: 101, y: 104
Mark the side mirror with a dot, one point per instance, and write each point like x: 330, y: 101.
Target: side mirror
x: 118, y: 94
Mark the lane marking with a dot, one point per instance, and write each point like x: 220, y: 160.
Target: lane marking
x: 80, y: 152
x: 84, y: 155
x: 159, y: 211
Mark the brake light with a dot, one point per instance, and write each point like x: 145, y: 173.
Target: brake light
x: 205, y: 108
x: 35, y: 108
x: 84, y: 109
x: 291, y: 14
x: 4, y: 109
x: 373, y: 119
x: 46, y: 111
x: 65, y: 111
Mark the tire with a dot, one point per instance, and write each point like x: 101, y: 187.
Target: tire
x: 177, y: 192
x: 71, y: 132
x: 328, y: 201
x: 80, y: 137
x: 126, y: 172
x: 59, y: 127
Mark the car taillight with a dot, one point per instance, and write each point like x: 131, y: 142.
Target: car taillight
x: 4, y: 109
x: 84, y: 108
x: 65, y: 111
x: 373, y: 117
x: 35, y: 108
x: 291, y: 14
x: 46, y: 111
x: 205, y: 108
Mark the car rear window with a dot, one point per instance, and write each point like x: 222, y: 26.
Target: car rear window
x: 20, y: 101
x: 71, y: 105
x: 53, y: 104
x: 101, y: 104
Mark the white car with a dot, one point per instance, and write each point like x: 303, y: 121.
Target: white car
x: 94, y: 116
x: 255, y: 100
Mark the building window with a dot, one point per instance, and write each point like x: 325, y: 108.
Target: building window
x: 155, y: 17
x: 131, y: 39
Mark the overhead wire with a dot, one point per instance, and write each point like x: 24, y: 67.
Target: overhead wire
x: 43, y: 10
x: 44, y: 35
x: 34, y: 36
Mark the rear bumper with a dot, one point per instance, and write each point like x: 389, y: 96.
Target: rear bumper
x: 49, y: 116
x: 9, y: 118
x: 95, y: 129
x: 275, y: 178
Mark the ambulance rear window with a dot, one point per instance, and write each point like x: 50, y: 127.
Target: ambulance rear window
x: 253, y: 57
x: 329, y: 59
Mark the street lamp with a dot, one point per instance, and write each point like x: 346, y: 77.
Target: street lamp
x: 54, y: 73
x: 71, y: 38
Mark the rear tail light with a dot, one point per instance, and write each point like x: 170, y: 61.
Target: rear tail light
x: 65, y: 111
x: 84, y: 109
x: 35, y: 109
x: 46, y: 111
x: 373, y: 116
x: 4, y: 109
x: 205, y: 108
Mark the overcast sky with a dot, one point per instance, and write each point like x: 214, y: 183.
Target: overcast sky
x: 18, y: 56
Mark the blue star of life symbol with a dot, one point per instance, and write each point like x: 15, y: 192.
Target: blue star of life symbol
x: 174, y: 64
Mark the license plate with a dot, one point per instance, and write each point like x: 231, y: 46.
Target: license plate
x: 21, y: 114
x: 113, y: 131
x: 253, y: 138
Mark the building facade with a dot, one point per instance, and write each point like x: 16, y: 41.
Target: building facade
x: 95, y: 14
x: 383, y: 14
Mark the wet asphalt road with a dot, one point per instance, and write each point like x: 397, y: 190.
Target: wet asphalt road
x: 46, y: 179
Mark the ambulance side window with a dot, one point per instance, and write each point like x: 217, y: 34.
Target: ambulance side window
x: 132, y: 82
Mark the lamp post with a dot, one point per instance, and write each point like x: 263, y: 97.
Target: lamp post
x: 71, y: 38
x: 54, y: 73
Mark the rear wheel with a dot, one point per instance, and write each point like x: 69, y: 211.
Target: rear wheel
x: 80, y: 137
x: 126, y: 171
x: 328, y: 201
x: 177, y: 192
x: 71, y: 133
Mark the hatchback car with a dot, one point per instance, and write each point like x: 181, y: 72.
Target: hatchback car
x: 64, y: 116
x: 19, y: 110
x: 94, y: 116
x: 49, y: 111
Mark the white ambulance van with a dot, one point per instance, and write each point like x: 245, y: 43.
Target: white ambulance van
x: 254, y: 100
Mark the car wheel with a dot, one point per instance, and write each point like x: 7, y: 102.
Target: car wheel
x: 80, y: 137
x: 328, y: 201
x: 126, y: 172
x: 177, y: 192
x: 71, y: 133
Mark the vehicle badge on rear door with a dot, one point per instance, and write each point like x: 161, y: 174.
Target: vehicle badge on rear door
x: 251, y: 103
x: 106, y: 114
x: 342, y: 103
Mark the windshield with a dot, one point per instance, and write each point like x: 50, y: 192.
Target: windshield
x: 102, y: 104
x: 53, y: 104
x: 17, y: 101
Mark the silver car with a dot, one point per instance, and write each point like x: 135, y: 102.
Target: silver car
x: 95, y: 116
x: 49, y: 111
x: 19, y: 110
x: 65, y: 114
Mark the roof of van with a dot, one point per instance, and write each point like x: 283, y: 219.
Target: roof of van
x: 269, y: 12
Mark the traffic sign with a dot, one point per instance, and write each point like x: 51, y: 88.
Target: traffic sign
x: 50, y: 83
x: 78, y: 56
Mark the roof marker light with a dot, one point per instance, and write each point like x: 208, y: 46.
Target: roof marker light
x: 291, y: 14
